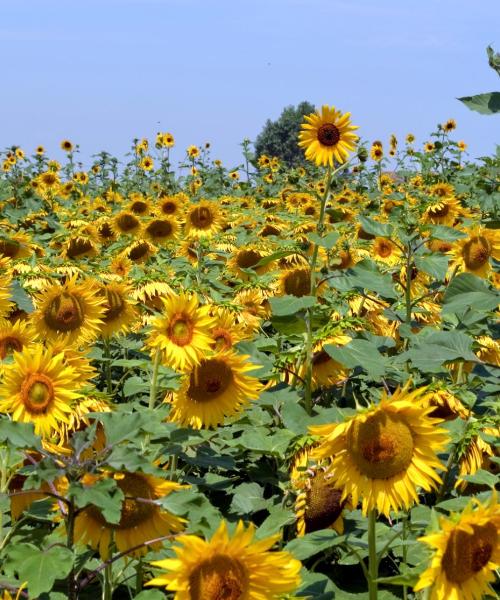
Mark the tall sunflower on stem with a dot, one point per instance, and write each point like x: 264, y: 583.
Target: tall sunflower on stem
x: 327, y: 138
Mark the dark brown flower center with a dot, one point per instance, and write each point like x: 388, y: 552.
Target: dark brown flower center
x: 209, y: 380
x: 298, y: 282
x: 381, y: 446
x: 159, y: 229
x: 201, y: 217
x: 218, y: 578
x: 127, y: 222
x: 476, y: 252
x: 168, y: 207
x: 328, y: 134
x: 9, y: 248
x: 467, y: 553
x: 9, y: 344
x: 323, y: 504
x: 64, y: 313
x: 78, y: 247
x: 139, y: 252
x: 247, y: 259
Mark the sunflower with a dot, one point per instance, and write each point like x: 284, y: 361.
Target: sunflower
x: 462, y: 146
x: 71, y: 311
x: 228, y: 568
x: 226, y: 331
x: 182, y: 332
x: 15, y: 246
x: 445, y: 405
x: 327, y: 136
x: 254, y: 307
x: 146, y: 163
x: 151, y: 293
x: 140, y: 251
x: 450, y: 125
x: 466, y: 554
x: 105, y: 232
x: 14, y: 337
x: 119, y: 310
x: 38, y: 388
x: 193, y: 151
x: 472, y: 254
x: 79, y: 246
x: 383, y: 454
x: 326, y: 371
x: 442, y: 212
x: 376, y: 153
x: 202, y: 219
x: 216, y: 388
x: 141, y: 518
x: 386, y: 251
x: 429, y: 147
x: 295, y: 282
x: 66, y: 145
x: 139, y: 205
x: 473, y: 457
x: 319, y: 505
x: 125, y: 223
x: 162, y: 230
x: 5, y: 302
x: 172, y: 205
x: 246, y: 257
x: 121, y: 265
x: 489, y: 350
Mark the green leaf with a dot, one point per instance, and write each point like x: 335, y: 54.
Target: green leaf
x: 277, y: 519
x: 274, y: 256
x: 19, y: 435
x: 19, y: 295
x: 359, y: 353
x: 135, y: 385
x: 467, y: 291
x: 284, y: 306
x: 248, y: 498
x: 150, y: 595
x: 327, y: 241
x: 486, y: 104
x: 482, y: 477
x: 313, y: 543
x: 435, y: 265
x: 104, y: 495
x: 376, y: 228
x: 365, y: 275
x: 289, y: 325
x: 493, y: 59
x: 37, y: 566
x: 431, y: 349
x: 447, y: 234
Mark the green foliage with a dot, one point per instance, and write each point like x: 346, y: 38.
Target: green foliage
x: 489, y: 103
x: 279, y: 138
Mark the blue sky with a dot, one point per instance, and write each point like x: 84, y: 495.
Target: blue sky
x: 101, y: 72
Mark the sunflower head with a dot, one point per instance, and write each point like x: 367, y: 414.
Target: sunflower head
x: 327, y: 136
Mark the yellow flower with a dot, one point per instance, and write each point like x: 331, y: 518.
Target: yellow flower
x: 218, y: 387
x: 66, y: 145
x: 319, y: 504
x: 71, y: 311
x: 386, y: 251
x: 462, y: 146
x: 141, y: 518
x: 327, y: 136
x: 14, y: 337
x: 162, y: 230
x: 450, y: 125
x: 466, y: 554
x: 182, y: 332
x: 380, y: 456
x: 146, y: 163
x: 230, y: 568
x: 429, y: 147
x: 202, y: 219
x: 472, y: 254
x: 193, y: 151
x: 38, y: 388
x: 376, y: 153
x: 5, y: 302
x: 119, y: 310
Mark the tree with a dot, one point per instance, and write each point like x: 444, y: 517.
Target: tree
x: 279, y: 138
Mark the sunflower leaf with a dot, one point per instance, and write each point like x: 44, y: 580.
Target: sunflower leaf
x: 104, y: 495
x: 467, y: 291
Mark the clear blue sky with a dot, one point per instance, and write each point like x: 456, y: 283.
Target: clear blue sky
x: 101, y: 72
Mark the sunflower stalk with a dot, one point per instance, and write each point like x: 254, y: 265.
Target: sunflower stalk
x: 154, y: 380
x: 372, y: 555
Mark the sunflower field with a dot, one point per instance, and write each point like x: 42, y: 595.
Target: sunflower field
x: 254, y: 383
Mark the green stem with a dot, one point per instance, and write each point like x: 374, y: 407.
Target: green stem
x: 405, y: 552
x: 108, y: 582
x: 138, y: 577
x: 154, y: 380
x: 70, y: 542
x: 409, y: 268
x: 107, y: 365
x: 372, y: 554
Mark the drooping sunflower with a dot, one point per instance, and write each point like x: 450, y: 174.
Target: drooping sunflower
x: 473, y: 254
x: 446, y: 405
x: 141, y: 518
x: 382, y: 455
x: 246, y: 257
x: 140, y: 250
x: 119, y: 310
x: 254, y: 307
x: 442, y: 212
x: 319, y: 504
x: 216, y: 388
x: 182, y: 332
x: 202, y: 219
x: 15, y: 245
x: 228, y: 568
x: 71, y: 311
x: 327, y: 136
x: 39, y: 388
x: 5, y: 302
x: 466, y: 554
x: 295, y: 282
x: 79, y: 246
